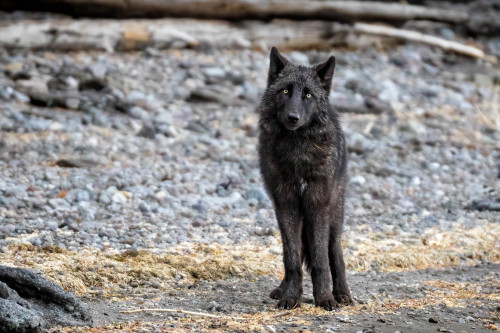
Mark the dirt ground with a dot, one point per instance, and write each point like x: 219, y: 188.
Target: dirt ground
x: 462, y: 299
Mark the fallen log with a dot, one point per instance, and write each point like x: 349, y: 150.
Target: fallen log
x: 345, y: 11
x: 415, y: 36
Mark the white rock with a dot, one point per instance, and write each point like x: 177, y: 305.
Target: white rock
x: 358, y: 180
x: 119, y: 198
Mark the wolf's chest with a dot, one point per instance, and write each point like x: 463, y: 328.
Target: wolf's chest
x: 301, y: 157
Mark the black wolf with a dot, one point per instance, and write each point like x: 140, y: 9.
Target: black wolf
x: 303, y: 164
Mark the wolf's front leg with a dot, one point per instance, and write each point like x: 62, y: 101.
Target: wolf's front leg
x: 289, y: 292
x: 317, y: 228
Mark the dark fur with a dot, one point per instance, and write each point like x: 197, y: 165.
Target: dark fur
x: 303, y: 163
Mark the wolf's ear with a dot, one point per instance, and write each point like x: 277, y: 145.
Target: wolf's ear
x: 325, y: 72
x: 276, y: 65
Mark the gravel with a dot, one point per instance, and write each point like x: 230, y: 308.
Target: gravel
x: 162, y: 150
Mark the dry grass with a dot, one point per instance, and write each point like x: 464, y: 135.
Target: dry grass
x: 91, y: 269
x: 434, y: 249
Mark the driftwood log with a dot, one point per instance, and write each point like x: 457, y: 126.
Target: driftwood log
x: 415, y: 36
x: 243, y: 9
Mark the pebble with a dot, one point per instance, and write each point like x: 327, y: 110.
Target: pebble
x: 52, y: 225
x: 358, y: 180
x: 119, y: 198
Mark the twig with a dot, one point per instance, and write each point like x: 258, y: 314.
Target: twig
x: 183, y: 311
x: 282, y: 314
x: 422, y: 38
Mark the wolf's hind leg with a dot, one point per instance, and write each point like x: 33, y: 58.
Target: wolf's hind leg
x: 337, y: 265
x: 317, y: 232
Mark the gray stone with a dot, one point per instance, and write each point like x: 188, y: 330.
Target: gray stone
x: 256, y: 193
x: 52, y: 225
x: 43, y: 304
x: 483, y: 80
x: 144, y: 207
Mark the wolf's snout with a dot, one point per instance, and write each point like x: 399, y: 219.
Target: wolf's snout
x: 293, y: 118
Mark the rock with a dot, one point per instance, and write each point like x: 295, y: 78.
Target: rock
x: 414, y: 127
x: 119, y: 198
x: 358, y: 180
x: 201, y: 95
x: 257, y: 194
x: 160, y: 195
x: 98, y: 70
x: 52, y: 225
x: 433, y: 320
x: 214, y: 74
x: 136, y: 96
x: 144, y: 207
x: 359, y: 144
x: 195, y: 126
x: 199, y: 223
x: 72, y: 103
x: 16, y: 318
x: 30, y: 303
x: 104, y: 198
x: 200, y: 207
x: 494, y: 46
x: 76, y: 163
x: 485, y: 205
x: 13, y: 67
x: 139, y: 113
x: 390, y: 91
x: 447, y: 34
x: 483, y: 80
x: 147, y: 131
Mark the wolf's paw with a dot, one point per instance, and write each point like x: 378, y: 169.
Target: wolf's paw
x: 344, y: 299
x: 276, y: 293
x: 328, y: 303
x: 289, y: 302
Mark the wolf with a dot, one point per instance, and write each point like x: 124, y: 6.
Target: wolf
x: 303, y: 164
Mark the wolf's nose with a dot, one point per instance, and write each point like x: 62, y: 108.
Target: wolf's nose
x: 293, y: 118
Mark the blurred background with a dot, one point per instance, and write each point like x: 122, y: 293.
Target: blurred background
x: 128, y: 157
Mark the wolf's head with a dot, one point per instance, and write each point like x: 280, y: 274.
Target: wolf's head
x: 295, y: 94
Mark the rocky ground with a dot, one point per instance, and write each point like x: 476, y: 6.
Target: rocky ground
x: 153, y: 155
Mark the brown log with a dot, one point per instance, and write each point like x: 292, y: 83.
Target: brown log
x: 415, y: 36
x: 243, y: 9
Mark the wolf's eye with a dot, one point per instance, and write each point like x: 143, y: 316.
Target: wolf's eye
x: 308, y: 95
x: 285, y: 91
